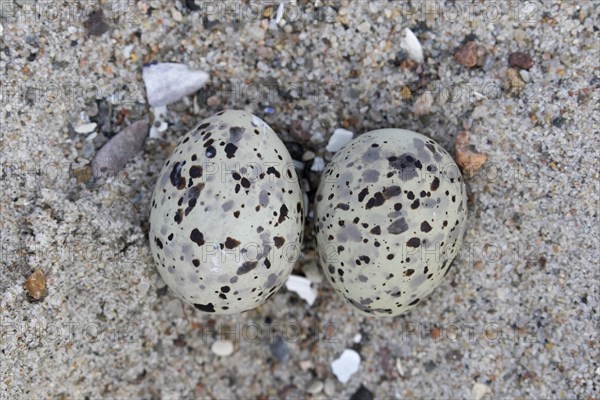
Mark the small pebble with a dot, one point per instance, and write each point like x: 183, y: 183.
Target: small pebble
x: 467, y: 55
x: 362, y: 393
x: 86, y: 128
x: 467, y: 159
x: 306, y: 365
x: 255, y: 33
x: 82, y: 174
x: 479, y: 390
x: 174, y: 308
x: 176, y: 15
x: 423, y: 104
x: 279, y: 349
x: 513, y: 83
x: 213, y: 101
x: 329, y: 387
x: 339, y: 139
x: 520, y: 60
x: 315, y: 387
x: 95, y: 24
x: 222, y: 348
x: 429, y: 366
x: 36, y: 284
x: 88, y: 150
x: 308, y: 155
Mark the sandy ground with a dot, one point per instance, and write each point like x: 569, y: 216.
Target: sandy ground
x: 517, y: 317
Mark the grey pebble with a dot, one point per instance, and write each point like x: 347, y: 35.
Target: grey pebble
x: 279, y: 349
x: 315, y: 387
x: 329, y: 387
x: 429, y: 366
x: 362, y: 393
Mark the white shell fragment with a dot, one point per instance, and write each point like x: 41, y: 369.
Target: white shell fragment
x: 399, y: 367
x: 113, y: 156
x: 318, y: 165
x: 167, y: 83
x: 279, y: 15
x: 222, y: 348
x: 339, y: 139
x: 301, y: 286
x: 410, y: 43
x: 346, y: 366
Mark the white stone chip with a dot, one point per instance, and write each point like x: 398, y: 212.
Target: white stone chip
x: 86, y: 128
x: 357, y: 338
x: 167, y: 83
x: 301, y: 286
x: 410, y: 43
x: 479, y: 390
x: 339, y: 139
x: 346, y: 366
x: 222, y: 348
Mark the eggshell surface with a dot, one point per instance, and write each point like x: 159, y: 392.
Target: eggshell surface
x: 226, y: 216
x: 390, y: 217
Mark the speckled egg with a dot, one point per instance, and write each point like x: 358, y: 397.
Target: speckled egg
x: 226, y: 216
x: 390, y: 216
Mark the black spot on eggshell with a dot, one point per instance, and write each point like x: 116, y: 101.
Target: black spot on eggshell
x: 279, y: 241
x: 363, y: 193
x: 425, y: 227
x: 195, y: 171
x: 205, y: 307
x: 197, y: 237
x: 231, y: 243
x: 230, y: 150
x: 176, y: 179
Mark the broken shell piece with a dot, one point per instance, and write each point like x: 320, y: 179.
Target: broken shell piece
x: 301, y: 286
x: 346, y: 366
x: 339, y: 139
x: 467, y: 158
x: 113, y: 156
x: 410, y: 43
x: 167, y: 83
x: 318, y: 165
